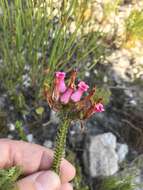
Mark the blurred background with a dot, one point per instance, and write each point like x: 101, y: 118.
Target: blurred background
x: 103, y: 40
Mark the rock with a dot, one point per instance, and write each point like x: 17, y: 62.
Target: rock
x: 11, y: 126
x: 26, y: 80
x: 10, y: 136
x: 122, y: 151
x: 133, y: 102
x: 87, y: 74
x: 48, y: 144
x: 54, y: 118
x: 30, y: 138
x: 101, y: 155
x: 2, y: 102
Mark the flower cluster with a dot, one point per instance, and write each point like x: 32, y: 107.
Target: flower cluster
x: 71, y: 98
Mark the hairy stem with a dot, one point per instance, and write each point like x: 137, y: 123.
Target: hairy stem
x: 60, y: 144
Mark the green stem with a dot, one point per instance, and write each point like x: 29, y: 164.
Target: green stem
x: 60, y: 144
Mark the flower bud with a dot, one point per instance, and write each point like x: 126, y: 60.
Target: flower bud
x: 82, y: 87
x: 66, y: 96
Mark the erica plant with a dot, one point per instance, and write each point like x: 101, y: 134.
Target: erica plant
x: 72, y: 104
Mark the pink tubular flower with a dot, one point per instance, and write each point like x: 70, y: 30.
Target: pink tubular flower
x: 99, y: 108
x: 82, y: 87
x: 60, y: 83
x: 66, y: 96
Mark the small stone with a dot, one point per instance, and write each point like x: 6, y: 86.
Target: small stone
x: 39, y: 55
x: 105, y: 79
x: 87, y: 74
x: 122, y: 151
x: 2, y: 102
x: 95, y: 72
x: 27, y: 67
x: 26, y: 84
x: 11, y: 108
x: 48, y: 144
x: 129, y: 93
x: 54, y: 118
x: 133, y: 102
x: 10, y: 137
x: 30, y: 137
x: 26, y: 80
x: 11, y: 126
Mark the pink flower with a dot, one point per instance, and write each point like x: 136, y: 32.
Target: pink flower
x: 60, y: 83
x: 66, y: 96
x: 99, y: 108
x: 82, y: 87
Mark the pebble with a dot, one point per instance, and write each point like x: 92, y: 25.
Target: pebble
x: 54, y: 118
x: 27, y: 67
x: 105, y: 79
x: 11, y: 126
x: 10, y: 136
x: 87, y: 74
x: 122, y: 151
x: 95, y: 72
x: 129, y: 93
x: 30, y: 137
x: 48, y: 144
x: 133, y: 102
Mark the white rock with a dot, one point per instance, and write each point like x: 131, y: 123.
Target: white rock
x: 129, y: 93
x: 2, y: 102
x: 10, y: 137
x: 11, y: 108
x: 105, y: 79
x: 54, y: 118
x: 11, y: 126
x: 101, y: 155
x: 133, y: 102
x: 27, y: 67
x: 39, y: 54
x: 122, y: 151
x: 26, y: 84
x: 48, y: 144
x: 95, y: 72
x: 30, y: 138
x: 26, y: 77
x: 87, y: 74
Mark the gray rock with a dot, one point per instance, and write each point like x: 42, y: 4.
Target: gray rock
x: 2, y: 102
x: 54, y: 118
x: 11, y: 126
x: 26, y: 80
x: 48, y: 144
x: 101, y: 155
x: 122, y: 151
x: 30, y: 138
